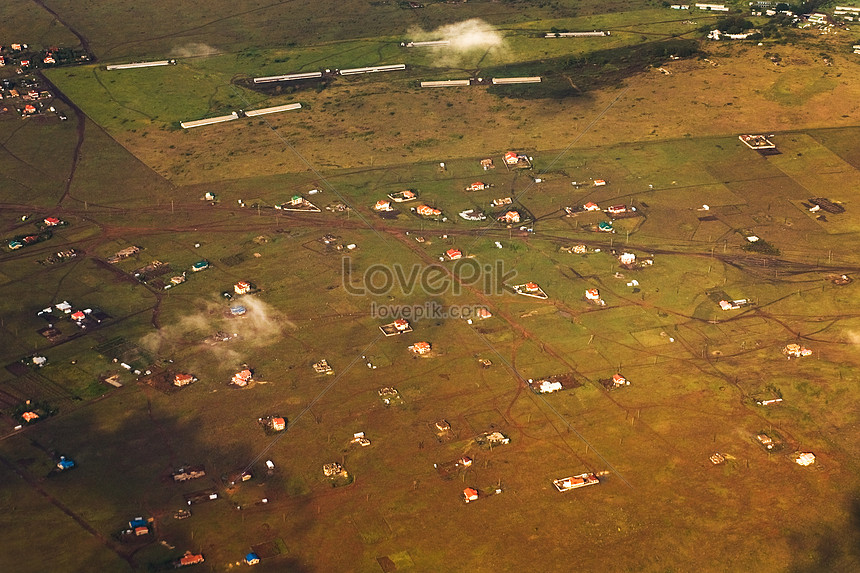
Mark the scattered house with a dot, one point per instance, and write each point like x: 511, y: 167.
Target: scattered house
x: 388, y: 395
x: 717, y: 459
x: 627, y: 258
x: 190, y: 559
x: 734, y: 304
x: 484, y: 313
x: 487, y: 164
x: 514, y: 159
x: 333, y: 469
x: 605, y: 227
x: 575, y: 482
x: 181, y: 380
x: 591, y: 206
x: 473, y: 215
x: 29, y: 416
x: 78, y: 316
x: 490, y: 439
x: 383, y: 205
x: 65, y: 464
x: 399, y: 326
x: 358, y: 438
x: 617, y: 210
x: 184, y: 474
x: 403, y: 196
x: 242, y: 378
x: 454, y: 254
x: 547, y: 386
x: 278, y: 424
x: 443, y: 426
x: 420, y: 348
x: 322, y: 367
x: 618, y: 380
x: 599, y: 182
x: 757, y: 142
x: 177, y: 280
x: 51, y: 221
x: 510, y: 217
x: 252, y: 559
x: 765, y: 441
x: 593, y: 295
x: 298, y: 203
x: 199, y: 266
x: 242, y: 287
x: 805, y: 459
x: 796, y: 351
x: 501, y: 201
x: 29, y: 109
x: 428, y: 211
x: 470, y: 494
x: 238, y: 310
x: 530, y: 289
x: 139, y: 526
x: 477, y: 186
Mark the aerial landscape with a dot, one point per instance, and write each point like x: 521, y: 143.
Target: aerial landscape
x: 380, y: 285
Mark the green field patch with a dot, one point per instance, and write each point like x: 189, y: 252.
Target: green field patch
x: 371, y: 527
x: 797, y: 87
x: 651, y: 337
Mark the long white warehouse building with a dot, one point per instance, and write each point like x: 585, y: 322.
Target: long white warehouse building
x: 528, y: 80
x: 276, y: 109
x: 209, y: 120
x: 371, y: 69
x: 140, y: 65
x: 288, y: 77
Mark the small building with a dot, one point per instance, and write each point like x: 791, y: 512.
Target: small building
x: 617, y: 209
x: 190, y: 559
x: 476, y: 186
x: 765, y: 441
x: 805, y: 459
x: 510, y: 217
x: 188, y: 473
x: 51, y: 221
x: 200, y: 266
x: 279, y: 424
x: 29, y: 416
x: 420, y: 348
x: 360, y: 439
x: 549, y: 386
x: 443, y: 426
x: 78, y: 316
x: 717, y: 458
x: 238, y: 310
x: 511, y: 158
x: 403, y: 196
x: 454, y: 254
x: 427, y: 211
x: 333, y: 469
x: 139, y: 526
x: 470, y: 494
x: 401, y: 324
x: 599, y: 182
x: 591, y: 206
x: 242, y: 378
x: 382, y: 205
x: 322, y: 367
x: 65, y: 464
x: 242, y: 287
x: 796, y: 351
x: 252, y: 559
x: 605, y: 227
x: 627, y: 258
x: 619, y: 380
x: 182, y: 379
x: 487, y: 164
x: 575, y: 482
x: 473, y: 215
x: 592, y: 294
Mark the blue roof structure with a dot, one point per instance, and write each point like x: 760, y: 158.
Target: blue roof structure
x: 252, y: 558
x: 65, y: 464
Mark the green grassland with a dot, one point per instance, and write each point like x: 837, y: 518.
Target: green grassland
x: 124, y: 174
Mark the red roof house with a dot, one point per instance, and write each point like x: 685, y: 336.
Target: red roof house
x: 190, y: 559
x: 454, y: 254
x: 279, y: 424
x: 242, y: 287
x: 470, y: 494
x: 51, y: 221
x: 78, y: 316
